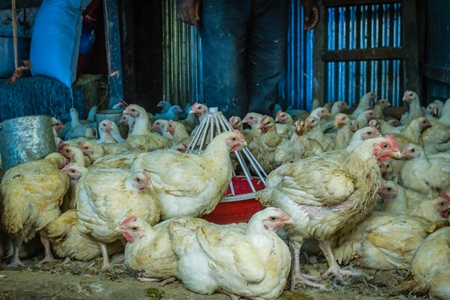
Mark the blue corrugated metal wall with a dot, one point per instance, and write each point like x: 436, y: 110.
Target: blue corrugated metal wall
x: 354, y: 27
x: 363, y: 27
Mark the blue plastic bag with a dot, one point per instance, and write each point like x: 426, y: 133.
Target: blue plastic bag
x: 55, y: 40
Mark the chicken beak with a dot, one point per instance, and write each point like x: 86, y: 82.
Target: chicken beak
x: 119, y: 229
x: 398, y: 155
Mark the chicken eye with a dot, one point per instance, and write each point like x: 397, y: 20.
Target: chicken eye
x: 413, y: 150
x: 134, y: 228
x: 442, y: 204
x: 233, y: 139
x: 73, y: 171
x: 389, y: 189
x: 385, y: 145
x: 273, y: 218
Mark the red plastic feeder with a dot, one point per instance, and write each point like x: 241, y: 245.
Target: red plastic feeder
x: 240, y: 207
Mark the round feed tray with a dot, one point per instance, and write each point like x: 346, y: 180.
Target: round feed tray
x: 239, y: 207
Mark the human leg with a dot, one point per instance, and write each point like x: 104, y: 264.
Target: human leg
x: 223, y: 36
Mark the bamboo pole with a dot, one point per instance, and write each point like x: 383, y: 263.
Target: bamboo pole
x: 14, y: 23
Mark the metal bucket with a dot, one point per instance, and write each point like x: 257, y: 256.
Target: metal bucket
x: 112, y: 115
x: 25, y: 139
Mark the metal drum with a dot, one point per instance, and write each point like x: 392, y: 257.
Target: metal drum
x: 112, y: 115
x: 25, y: 139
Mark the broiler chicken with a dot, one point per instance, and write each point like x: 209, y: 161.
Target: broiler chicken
x: 189, y: 184
x: 149, y: 249
x: 424, y: 173
x: 141, y: 136
x: 75, y: 172
x: 383, y: 241
x: 68, y: 241
x: 105, y: 136
x: 326, y: 196
x: 284, y: 124
x: 430, y: 267
x: 379, y: 106
x: 314, y: 131
x: 75, y: 155
x: 344, y: 133
x: 298, y: 147
x: 415, y: 109
x: 436, y: 138
x: 32, y: 193
x: 236, y: 123
x: 254, y: 264
x: 364, y: 104
x: 171, y: 114
x: 265, y: 146
x: 105, y: 197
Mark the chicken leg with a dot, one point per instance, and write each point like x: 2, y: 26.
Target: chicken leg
x: 15, y: 261
x: 104, y: 250
x: 47, y: 250
x: 333, y: 265
x: 296, y: 275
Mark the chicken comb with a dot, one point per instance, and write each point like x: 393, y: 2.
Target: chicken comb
x: 263, y: 119
x: 231, y: 120
x: 66, y: 167
x: 445, y: 196
x: 279, y: 113
x: 392, y: 140
x: 239, y: 134
x: 63, y: 145
x: 128, y: 220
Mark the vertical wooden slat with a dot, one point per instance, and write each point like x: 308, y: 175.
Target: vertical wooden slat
x: 320, y: 39
x: 113, y: 49
x: 409, y: 38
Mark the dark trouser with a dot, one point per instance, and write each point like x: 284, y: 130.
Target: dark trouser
x: 243, y: 45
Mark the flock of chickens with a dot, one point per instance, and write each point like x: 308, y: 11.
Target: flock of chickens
x: 366, y: 189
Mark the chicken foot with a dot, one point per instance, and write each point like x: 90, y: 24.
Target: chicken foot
x: 296, y: 275
x: 163, y: 283
x: 48, y: 257
x: 333, y: 265
x: 15, y: 261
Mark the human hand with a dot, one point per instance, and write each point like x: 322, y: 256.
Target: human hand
x: 188, y: 11
x: 312, y: 13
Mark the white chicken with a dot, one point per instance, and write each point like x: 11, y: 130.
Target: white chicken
x: 265, y: 146
x: 327, y: 195
x: 383, y: 241
x: 149, y: 249
x: 430, y: 268
x: 254, y: 264
x: 141, y: 136
x: 415, y: 110
x: 191, y: 184
x: 424, y: 173
x: 32, y: 193
x: 105, y: 197
x: 364, y: 104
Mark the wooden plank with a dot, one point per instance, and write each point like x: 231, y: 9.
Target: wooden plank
x: 410, y: 42
x: 320, y: 76
x: 435, y: 73
x: 128, y: 49
x: 113, y: 51
x: 331, y: 3
x: 363, y: 54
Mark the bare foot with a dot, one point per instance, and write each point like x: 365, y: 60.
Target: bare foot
x: 306, y: 280
x: 16, y: 263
